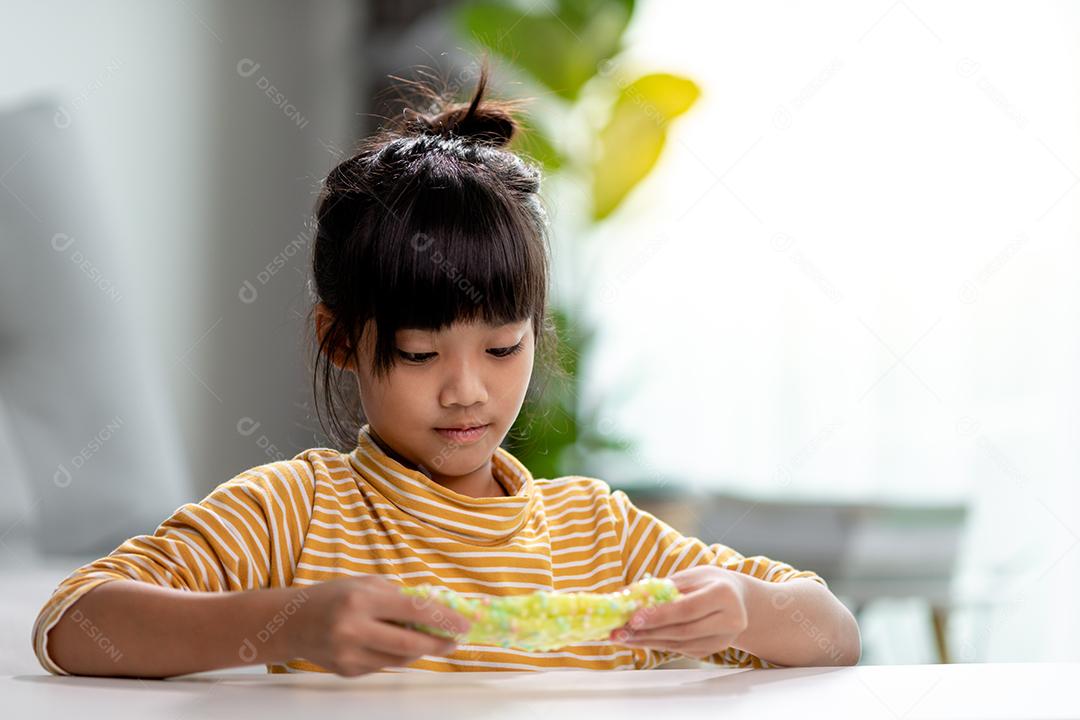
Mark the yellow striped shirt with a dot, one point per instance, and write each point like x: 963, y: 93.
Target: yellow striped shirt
x: 325, y: 515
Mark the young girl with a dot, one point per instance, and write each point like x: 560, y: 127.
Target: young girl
x: 430, y: 265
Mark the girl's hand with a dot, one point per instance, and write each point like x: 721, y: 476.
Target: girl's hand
x: 348, y: 626
x: 708, y: 619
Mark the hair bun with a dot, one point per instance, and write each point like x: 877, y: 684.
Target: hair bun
x: 484, y: 124
x: 487, y: 122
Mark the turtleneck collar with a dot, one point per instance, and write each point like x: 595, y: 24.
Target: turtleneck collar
x: 480, y: 521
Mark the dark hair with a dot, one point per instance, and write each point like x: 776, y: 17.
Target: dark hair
x: 429, y: 222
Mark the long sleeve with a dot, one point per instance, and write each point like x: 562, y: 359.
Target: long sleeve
x: 246, y: 534
x: 649, y: 545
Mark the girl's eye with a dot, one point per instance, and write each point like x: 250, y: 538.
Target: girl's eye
x: 415, y: 357
x: 497, y: 352
x: 507, y: 351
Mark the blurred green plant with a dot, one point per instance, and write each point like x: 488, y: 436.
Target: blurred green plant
x: 568, y: 49
x: 629, y: 145
x: 554, y: 430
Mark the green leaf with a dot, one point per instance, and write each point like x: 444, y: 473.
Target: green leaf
x: 578, y: 13
x: 631, y: 142
x: 553, y: 434
x: 533, y: 143
x: 560, y: 49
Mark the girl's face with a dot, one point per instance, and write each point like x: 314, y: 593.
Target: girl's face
x: 465, y: 375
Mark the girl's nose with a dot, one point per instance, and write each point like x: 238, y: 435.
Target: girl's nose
x: 463, y: 386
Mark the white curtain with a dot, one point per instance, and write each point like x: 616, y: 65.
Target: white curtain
x: 150, y: 173
x: 853, y: 277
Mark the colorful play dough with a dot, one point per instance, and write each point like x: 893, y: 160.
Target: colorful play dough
x: 545, y: 620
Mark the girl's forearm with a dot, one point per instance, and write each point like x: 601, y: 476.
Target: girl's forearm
x: 798, y: 623
x: 127, y: 628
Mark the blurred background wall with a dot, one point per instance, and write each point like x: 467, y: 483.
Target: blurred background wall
x: 197, y: 133
x: 818, y: 266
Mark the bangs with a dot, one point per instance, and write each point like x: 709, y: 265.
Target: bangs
x: 454, y: 252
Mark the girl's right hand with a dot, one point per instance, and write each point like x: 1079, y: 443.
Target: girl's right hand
x: 348, y: 626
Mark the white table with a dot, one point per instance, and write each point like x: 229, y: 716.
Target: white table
x: 907, y: 692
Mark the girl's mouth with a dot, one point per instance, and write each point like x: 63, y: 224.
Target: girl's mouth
x: 468, y: 435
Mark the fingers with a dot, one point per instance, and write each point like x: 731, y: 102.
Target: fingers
x: 676, y: 633
x: 423, y: 610
x: 399, y: 641
x: 688, y: 608
x: 700, y: 603
x: 377, y: 659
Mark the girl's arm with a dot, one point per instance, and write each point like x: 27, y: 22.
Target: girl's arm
x: 348, y: 626
x: 129, y: 628
x: 246, y: 535
x: 798, y: 623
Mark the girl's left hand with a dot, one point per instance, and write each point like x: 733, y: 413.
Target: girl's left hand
x: 709, y: 616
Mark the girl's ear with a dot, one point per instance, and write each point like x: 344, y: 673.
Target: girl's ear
x: 339, y: 356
